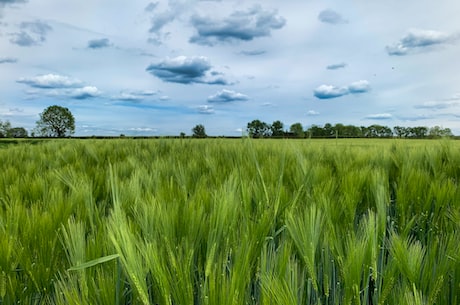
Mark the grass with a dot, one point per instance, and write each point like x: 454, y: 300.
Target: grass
x: 184, y: 221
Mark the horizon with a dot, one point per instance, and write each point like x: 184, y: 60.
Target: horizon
x: 160, y: 68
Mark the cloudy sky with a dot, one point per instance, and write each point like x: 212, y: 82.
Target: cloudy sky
x: 160, y: 68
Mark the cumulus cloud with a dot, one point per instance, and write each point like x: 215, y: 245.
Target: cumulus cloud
x: 8, y: 60
x: 85, y: 92
x: 239, y: 26
x: 205, y: 109
x: 133, y: 96
x: 50, y: 81
x: 379, y: 116
x: 31, y: 34
x: 99, y: 43
x: 360, y: 86
x: 187, y: 70
x: 60, y: 86
x: 331, y: 17
x: 336, y: 66
x: 226, y: 96
x: 417, y: 40
x: 330, y: 91
x: 312, y: 113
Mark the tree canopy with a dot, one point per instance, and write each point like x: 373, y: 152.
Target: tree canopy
x: 56, y: 121
x: 199, y: 131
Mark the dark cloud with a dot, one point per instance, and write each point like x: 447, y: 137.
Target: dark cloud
x: 239, y: 26
x: 420, y: 40
x: 8, y: 60
x: 99, y: 43
x: 331, y: 17
x: 226, y: 96
x: 336, y: 66
x: 253, y: 53
x: 4, y: 2
x: 31, y: 34
x: 50, y: 81
x: 329, y: 91
x: 186, y: 70
x: 151, y: 6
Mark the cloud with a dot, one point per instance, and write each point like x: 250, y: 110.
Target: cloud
x: 5, y: 2
x: 99, y: 43
x: 453, y: 101
x: 151, y: 6
x: 330, y: 91
x: 226, y: 96
x: 360, y: 86
x: 331, y: 17
x: 336, y: 66
x: 187, y: 70
x: 417, y: 40
x: 8, y: 60
x: 31, y: 34
x: 50, y: 81
x: 239, y: 26
x: 379, y: 116
x: 312, y: 113
x: 205, y: 109
x: 134, y: 96
x: 253, y: 53
x: 84, y: 93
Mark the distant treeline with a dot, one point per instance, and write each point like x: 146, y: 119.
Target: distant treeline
x: 259, y: 129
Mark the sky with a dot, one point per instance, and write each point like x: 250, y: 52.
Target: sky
x: 160, y: 68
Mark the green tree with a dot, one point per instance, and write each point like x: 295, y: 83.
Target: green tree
x: 4, y: 129
x: 277, y: 129
x: 297, y: 130
x: 258, y: 129
x: 17, y: 132
x: 56, y: 121
x: 439, y: 132
x: 199, y: 131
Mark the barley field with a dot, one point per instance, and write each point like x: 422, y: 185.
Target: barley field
x: 229, y: 222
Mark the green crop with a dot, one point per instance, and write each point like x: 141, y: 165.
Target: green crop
x: 229, y: 222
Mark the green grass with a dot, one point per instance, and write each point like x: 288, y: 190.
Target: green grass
x: 216, y: 221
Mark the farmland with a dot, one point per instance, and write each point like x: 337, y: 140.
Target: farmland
x: 228, y: 222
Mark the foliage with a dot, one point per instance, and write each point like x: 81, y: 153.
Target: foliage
x: 297, y: 130
x: 235, y: 222
x: 4, y: 128
x: 258, y: 129
x: 277, y: 129
x: 56, y: 121
x: 17, y: 132
x: 199, y: 131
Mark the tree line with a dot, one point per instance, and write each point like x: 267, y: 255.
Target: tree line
x: 260, y: 129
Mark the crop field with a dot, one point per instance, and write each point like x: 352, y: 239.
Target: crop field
x: 229, y: 222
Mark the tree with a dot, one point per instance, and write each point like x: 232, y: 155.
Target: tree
x: 4, y: 129
x: 56, y: 121
x: 17, y: 132
x: 277, y: 129
x: 439, y: 132
x: 297, y: 130
x: 258, y: 129
x: 199, y: 131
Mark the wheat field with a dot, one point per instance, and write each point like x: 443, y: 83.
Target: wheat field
x: 229, y: 221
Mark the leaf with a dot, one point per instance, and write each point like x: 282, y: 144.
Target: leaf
x: 94, y: 262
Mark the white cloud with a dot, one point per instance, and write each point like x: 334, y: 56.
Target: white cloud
x: 417, y: 40
x: 312, y: 113
x: 205, y: 109
x: 50, y: 81
x: 380, y: 116
x: 226, y: 96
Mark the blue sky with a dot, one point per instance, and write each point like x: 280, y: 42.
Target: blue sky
x: 162, y: 67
